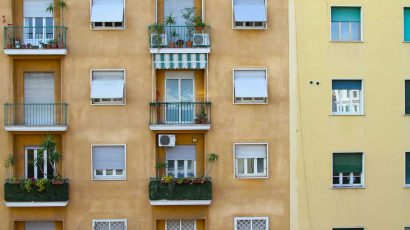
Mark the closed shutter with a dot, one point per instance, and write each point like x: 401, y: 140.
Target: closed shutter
x: 107, y: 11
x: 250, y: 11
x: 250, y: 83
x: 250, y: 151
x: 36, y: 8
x: 108, y: 157
x: 347, y: 85
x: 408, y: 168
x: 407, y: 97
x: 347, y: 163
x: 406, y: 24
x: 38, y: 88
x: 175, y: 8
x: 345, y: 14
x: 107, y: 84
x: 182, y: 152
x: 39, y: 225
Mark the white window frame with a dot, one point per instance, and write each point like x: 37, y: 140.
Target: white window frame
x: 264, y: 24
x: 236, y: 219
x: 94, y: 177
x: 33, y: 30
x: 92, y: 27
x: 180, y: 222
x: 112, y: 102
x: 351, y: 185
x: 109, y: 221
x: 35, y: 148
x: 350, y: 26
x: 185, y: 168
x: 233, y: 86
x: 361, y: 98
x: 251, y: 176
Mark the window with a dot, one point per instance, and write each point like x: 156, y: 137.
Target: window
x: 39, y: 225
x: 407, y: 169
x: 249, y: 14
x: 406, y: 13
x: 107, y: 14
x: 181, y: 161
x: 250, y: 86
x: 110, y: 224
x: 38, y: 22
x: 108, y: 162
x: 179, y: 87
x: 250, y: 160
x: 107, y: 87
x: 176, y: 7
x: 347, y: 97
x: 346, y: 23
x: 407, y: 97
x: 406, y: 228
x: 180, y: 225
x: 251, y: 223
x: 347, y: 169
x: 36, y: 164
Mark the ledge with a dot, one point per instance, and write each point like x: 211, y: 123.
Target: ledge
x: 22, y: 128
x: 180, y: 127
x: 179, y: 202
x: 180, y: 50
x: 35, y: 204
x: 35, y: 51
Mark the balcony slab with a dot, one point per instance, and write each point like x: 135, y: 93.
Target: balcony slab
x: 180, y: 50
x: 22, y: 128
x: 179, y: 202
x: 166, y: 127
x: 35, y: 204
x: 35, y: 51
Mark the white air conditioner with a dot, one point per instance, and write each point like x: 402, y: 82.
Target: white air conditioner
x: 250, y: 100
x: 158, y: 40
x: 166, y: 140
x: 200, y: 40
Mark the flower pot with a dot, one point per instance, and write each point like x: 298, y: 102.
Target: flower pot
x: 199, y: 28
x: 23, y: 46
x: 9, y: 46
x: 171, y: 45
x: 48, y: 46
x: 60, y: 45
x: 188, y: 44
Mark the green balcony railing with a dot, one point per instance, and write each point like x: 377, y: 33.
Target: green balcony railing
x: 179, y: 113
x: 183, y: 189
x: 30, y: 191
x: 43, y: 37
x: 179, y: 37
x: 35, y: 115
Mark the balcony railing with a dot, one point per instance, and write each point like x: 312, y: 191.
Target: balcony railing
x: 43, y: 37
x: 187, y: 189
x: 23, y: 192
x: 180, y: 113
x: 35, y: 115
x: 179, y: 37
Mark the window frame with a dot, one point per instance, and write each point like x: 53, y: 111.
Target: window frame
x: 111, y: 103
x: 233, y: 86
x: 235, y: 220
x: 349, y: 186
x: 45, y: 166
x: 362, y: 97
x: 361, y: 24
x: 264, y: 24
x: 180, y: 220
x: 404, y: 96
x: 109, y: 220
x: 92, y: 28
x: 111, y: 177
x: 256, y: 176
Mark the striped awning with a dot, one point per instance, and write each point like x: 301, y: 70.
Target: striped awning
x: 180, y: 61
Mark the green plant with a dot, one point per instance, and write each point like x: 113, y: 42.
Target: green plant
x: 212, y: 158
x: 198, y: 23
x: 156, y: 29
x: 179, y: 181
x: 173, y: 35
x: 201, y: 115
x: 9, y: 164
x: 159, y: 166
x: 61, y: 5
x: 53, y: 157
x: 170, y: 20
x: 188, y: 15
x: 12, y: 180
x: 167, y: 179
x: 27, y: 184
x: 41, y: 184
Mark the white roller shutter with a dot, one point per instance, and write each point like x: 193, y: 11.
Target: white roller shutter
x: 250, y: 11
x: 107, y: 11
x: 38, y: 88
x: 107, y: 84
x: 250, y: 83
x: 36, y: 8
x: 250, y: 151
x: 39, y: 225
x: 109, y: 157
x: 182, y: 152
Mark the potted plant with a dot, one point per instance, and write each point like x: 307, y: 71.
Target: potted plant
x: 170, y: 21
x: 57, y: 180
x: 167, y: 179
x: 173, y: 35
x: 53, y: 158
x: 201, y: 116
x: 212, y: 158
x: 180, y: 43
x: 160, y: 166
x: 198, y: 23
x: 61, y: 5
x: 156, y: 31
x: 9, y: 164
x: 188, y: 15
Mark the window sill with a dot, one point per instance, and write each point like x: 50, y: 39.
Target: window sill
x: 333, y: 41
x: 108, y: 179
x: 348, y: 187
x: 407, y: 186
x: 250, y: 177
x: 108, y: 29
x: 345, y: 114
x: 108, y: 104
x: 249, y: 28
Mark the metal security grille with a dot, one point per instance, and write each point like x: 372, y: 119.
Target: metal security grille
x: 251, y: 223
x: 180, y: 225
x: 109, y: 225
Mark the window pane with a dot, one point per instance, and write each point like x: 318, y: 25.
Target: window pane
x: 335, y: 31
x: 171, y: 168
x: 355, y: 31
x: 251, y: 167
x: 49, y: 29
x: 336, y: 179
x: 39, y: 28
x: 28, y: 32
x: 241, y: 166
x: 180, y: 169
x: 357, y: 179
x: 99, y: 172
x: 190, y: 170
x: 345, y: 31
x: 261, y: 165
x: 109, y: 172
x: 346, y: 96
x: 119, y: 172
x: 346, y: 178
x: 30, y: 163
x: 40, y: 163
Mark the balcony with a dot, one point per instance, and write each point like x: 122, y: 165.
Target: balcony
x: 33, y: 193
x: 180, y: 116
x: 35, y: 117
x: 179, y: 39
x: 187, y: 191
x: 50, y: 40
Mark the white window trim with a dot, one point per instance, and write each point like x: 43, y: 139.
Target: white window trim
x: 233, y: 85
x: 361, y: 23
x: 35, y: 148
x: 266, y: 161
x: 249, y: 27
x: 109, y: 103
x: 362, y: 97
x: 251, y: 218
x: 108, y: 28
x: 362, y: 185
x: 180, y: 220
x: 110, y: 220
x: 109, y: 178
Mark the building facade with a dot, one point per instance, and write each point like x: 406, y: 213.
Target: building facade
x: 350, y: 98
x: 118, y: 116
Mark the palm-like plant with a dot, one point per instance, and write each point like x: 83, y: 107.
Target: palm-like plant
x: 60, y: 5
x: 212, y: 158
x: 53, y: 157
x: 9, y: 164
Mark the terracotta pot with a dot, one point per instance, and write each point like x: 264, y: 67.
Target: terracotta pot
x: 60, y: 45
x: 199, y: 28
x: 188, y: 44
x: 171, y: 45
x: 9, y: 46
x: 54, y: 46
x: 48, y: 46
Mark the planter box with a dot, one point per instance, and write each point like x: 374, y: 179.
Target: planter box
x: 184, y: 191
x: 52, y: 193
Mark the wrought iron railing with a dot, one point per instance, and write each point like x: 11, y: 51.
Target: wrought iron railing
x: 180, y: 189
x: 35, y: 115
x: 42, y: 37
x: 180, y: 113
x: 179, y: 37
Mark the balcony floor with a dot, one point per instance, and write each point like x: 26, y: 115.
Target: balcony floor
x: 180, y: 50
x: 22, y: 128
x: 35, y: 204
x: 165, y: 127
x: 35, y: 51
x: 179, y: 202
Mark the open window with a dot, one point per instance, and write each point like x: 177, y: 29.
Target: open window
x: 108, y: 87
x: 347, y: 97
x: 107, y: 14
x: 249, y: 14
x: 250, y: 86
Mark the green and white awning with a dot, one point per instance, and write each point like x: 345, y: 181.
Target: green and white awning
x: 180, y: 61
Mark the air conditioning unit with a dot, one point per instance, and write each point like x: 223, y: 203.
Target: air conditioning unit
x: 166, y: 140
x: 201, y: 40
x: 158, y: 40
x: 250, y: 100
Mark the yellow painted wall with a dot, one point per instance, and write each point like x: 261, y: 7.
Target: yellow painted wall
x: 381, y: 133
